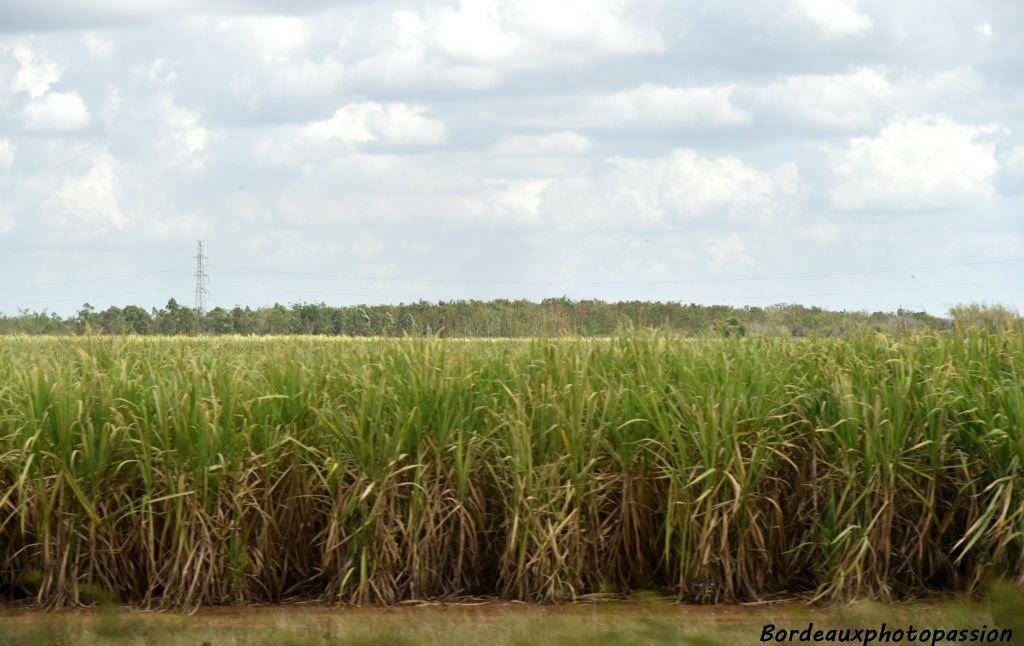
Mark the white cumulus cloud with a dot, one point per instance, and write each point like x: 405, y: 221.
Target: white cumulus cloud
x: 276, y: 38
x: 845, y: 101
x: 35, y: 74
x: 366, y: 121
x: 670, y: 190
x: 835, y: 17
x: 93, y: 199
x: 6, y: 221
x: 477, y: 43
x: 916, y: 163
x: 184, y: 136
x: 188, y: 226
x: 646, y: 106
x: 56, y: 112
x: 98, y: 45
x: 6, y: 153
x: 821, y: 232
x: 728, y: 251
x: 520, y: 33
x: 556, y: 143
x: 518, y: 201
x: 649, y: 103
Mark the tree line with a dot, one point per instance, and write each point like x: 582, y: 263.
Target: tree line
x: 495, y: 318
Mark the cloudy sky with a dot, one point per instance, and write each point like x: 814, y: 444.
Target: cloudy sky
x: 859, y: 154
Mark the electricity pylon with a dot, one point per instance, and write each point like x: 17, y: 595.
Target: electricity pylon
x: 202, y: 280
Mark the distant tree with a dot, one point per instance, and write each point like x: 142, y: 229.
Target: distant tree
x: 136, y: 320
x: 498, y: 318
x: 176, y: 319
x: 388, y: 325
x: 732, y: 327
x: 991, y: 317
x: 311, y: 318
x: 218, y: 321
x: 278, y: 320
x: 87, y: 320
x: 363, y: 323
x: 112, y: 321
x: 407, y: 324
x: 336, y: 321
x: 243, y: 321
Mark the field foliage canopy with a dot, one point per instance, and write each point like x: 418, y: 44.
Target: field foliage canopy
x: 184, y: 471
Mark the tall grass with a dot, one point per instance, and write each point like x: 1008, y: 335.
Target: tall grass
x: 178, y: 472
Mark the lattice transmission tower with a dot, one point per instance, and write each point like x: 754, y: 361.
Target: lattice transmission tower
x: 202, y: 281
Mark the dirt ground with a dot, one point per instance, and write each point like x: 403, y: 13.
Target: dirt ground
x: 486, y: 622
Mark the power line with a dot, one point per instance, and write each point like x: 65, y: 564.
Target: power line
x: 728, y: 299
x: 307, y: 291
x: 619, y: 282
x: 877, y: 291
x: 202, y: 283
x: 93, y: 297
x: 93, y: 280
